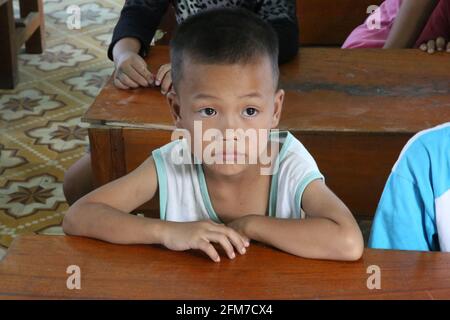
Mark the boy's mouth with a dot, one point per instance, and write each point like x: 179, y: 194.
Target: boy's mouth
x: 230, y: 156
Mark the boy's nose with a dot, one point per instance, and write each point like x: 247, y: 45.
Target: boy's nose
x: 229, y: 123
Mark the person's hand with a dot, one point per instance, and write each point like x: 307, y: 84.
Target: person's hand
x: 164, y: 78
x: 440, y: 44
x: 131, y: 71
x: 241, y: 225
x: 180, y: 236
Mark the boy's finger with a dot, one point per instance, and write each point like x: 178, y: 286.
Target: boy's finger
x: 161, y: 73
x: 223, y: 241
x: 423, y: 47
x: 127, y: 81
x: 245, y: 239
x: 440, y: 44
x: 238, y: 240
x: 431, y: 46
x: 136, y: 77
x: 120, y: 85
x: 142, y: 69
x: 208, y: 248
x: 166, y: 83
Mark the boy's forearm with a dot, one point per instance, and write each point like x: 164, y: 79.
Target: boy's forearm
x: 99, y: 221
x: 314, y: 238
x: 126, y: 45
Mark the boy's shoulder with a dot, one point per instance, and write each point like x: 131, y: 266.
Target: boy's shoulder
x: 426, y: 157
x: 426, y: 146
x: 292, y: 150
x: 294, y: 160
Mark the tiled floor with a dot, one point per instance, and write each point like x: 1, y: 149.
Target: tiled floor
x: 40, y: 130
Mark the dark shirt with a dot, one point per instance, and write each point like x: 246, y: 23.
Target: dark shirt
x: 140, y: 18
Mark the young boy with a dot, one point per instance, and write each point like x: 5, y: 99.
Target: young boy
x: 225, y: 81
x: 414, y: 210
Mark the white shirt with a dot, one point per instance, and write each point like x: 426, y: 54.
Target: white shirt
x: 184, y: 196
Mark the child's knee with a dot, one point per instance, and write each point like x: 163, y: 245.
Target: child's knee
x: 78, y: 180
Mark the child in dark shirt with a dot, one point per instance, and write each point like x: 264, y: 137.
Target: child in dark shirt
x: 139, y: 20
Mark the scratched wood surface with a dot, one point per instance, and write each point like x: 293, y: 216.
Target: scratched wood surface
x: 35, y: 267
x: 364, y: 90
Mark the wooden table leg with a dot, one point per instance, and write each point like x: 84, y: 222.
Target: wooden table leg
x: 8, y: 51
x: 35, y: 43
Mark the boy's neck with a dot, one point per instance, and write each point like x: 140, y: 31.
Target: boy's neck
x: 245, y: 177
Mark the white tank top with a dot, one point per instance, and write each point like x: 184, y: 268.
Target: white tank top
x: 183, y: 193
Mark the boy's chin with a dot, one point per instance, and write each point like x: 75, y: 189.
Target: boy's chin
x: 228, y: 169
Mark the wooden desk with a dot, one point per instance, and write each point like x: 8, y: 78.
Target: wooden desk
x: 353, y: 109
x: 35, y: 267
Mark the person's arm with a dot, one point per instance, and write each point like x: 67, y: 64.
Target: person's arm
x: 138, y: 19
x: 329, y: 231
x: 409, y: 23
x: 281, y: 15
x: 402, y: 220
x: 104, y: 214
x: 131, y: 39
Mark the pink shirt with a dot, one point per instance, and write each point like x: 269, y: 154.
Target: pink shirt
x: 365, y: 36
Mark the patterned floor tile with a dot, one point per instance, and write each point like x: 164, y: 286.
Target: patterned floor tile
x: 84, y: 84
x: 60, y: 56
x: 29, y: 102
x: 91, y: 14
x: 40, y: 131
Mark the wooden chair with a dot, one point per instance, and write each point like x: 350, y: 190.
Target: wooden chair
x: 29, y: 29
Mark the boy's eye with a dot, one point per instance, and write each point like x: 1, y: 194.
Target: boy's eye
x: 250, y: 112
x: 208, y: 112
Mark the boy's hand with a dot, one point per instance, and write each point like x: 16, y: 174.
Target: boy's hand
x: 182, y: 236
x: 131, y: 71
x: 164, y: 78
x: 440, y: 44
x: 241, y: 224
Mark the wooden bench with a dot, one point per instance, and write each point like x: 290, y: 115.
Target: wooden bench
x: 321, y: 22
x: 35, y: 268
x: 354, y: 110
x: 29, y: 29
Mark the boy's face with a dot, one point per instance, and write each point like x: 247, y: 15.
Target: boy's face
x: 224, y: 97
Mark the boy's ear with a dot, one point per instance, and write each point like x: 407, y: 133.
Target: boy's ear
x: 173, y: 101
x: 278, y: 106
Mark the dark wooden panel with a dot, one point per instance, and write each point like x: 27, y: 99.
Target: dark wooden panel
x: 321, y: 22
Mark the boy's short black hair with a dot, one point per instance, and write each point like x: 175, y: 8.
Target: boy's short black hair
x: 223, y: 36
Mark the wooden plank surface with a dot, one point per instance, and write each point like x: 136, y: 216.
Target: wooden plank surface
x: 35, y: 267
x: 327, y: 90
